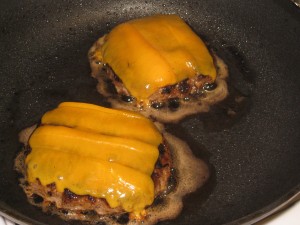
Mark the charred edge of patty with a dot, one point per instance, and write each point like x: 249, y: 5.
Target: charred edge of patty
x: 70, y: 206
x: 168, y: 96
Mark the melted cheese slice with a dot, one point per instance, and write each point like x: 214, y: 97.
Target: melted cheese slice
x: 96, y: 158
x: 156, y: 51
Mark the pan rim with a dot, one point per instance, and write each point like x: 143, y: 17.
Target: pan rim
x: 276, y: 206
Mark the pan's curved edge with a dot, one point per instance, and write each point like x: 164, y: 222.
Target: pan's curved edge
x: 16, y: 217
x: 281, y: 204
x: 296, y: 2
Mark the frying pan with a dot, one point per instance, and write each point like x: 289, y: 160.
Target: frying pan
x: 252, y: 147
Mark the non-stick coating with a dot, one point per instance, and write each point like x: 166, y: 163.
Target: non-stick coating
x: 254, y: 156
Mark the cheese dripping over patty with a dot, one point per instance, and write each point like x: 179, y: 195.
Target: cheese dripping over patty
x: 96, y: 151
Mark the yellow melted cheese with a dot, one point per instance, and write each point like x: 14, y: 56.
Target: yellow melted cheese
x: 153, y: 52
x: 88, y: 161
x: 120, y: 123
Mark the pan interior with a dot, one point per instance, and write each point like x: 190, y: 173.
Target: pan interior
x: 253, y: 152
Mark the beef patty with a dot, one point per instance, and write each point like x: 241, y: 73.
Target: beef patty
x: 69, y: 205
x: 169, y: 103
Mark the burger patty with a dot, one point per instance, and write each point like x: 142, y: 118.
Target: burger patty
x: 69, y: 205
x: 171, y: 95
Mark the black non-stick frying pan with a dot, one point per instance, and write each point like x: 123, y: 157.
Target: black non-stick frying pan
x: 253, y: 146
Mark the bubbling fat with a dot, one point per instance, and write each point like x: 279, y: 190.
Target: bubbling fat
x: 190, y: 172
x: 199, y: 104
